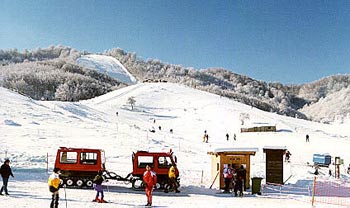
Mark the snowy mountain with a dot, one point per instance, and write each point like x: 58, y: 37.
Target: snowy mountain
x: 107, y: 65
x: 31, y: 129
x: 333, y: 105
x: 53, y: 74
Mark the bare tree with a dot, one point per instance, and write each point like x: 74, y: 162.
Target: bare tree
x: 131, y: 101
x: 243, y: 117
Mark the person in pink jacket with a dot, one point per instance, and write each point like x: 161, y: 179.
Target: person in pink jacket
x: 150, y: 180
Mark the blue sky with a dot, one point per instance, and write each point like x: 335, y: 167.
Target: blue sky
x: 291, y: 42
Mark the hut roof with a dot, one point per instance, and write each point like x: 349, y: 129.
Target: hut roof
x: 257, y: 124
x: 275, y: 148
x: 234, y: 151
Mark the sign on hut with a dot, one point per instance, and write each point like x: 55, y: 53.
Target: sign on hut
x: 236, y: 157
x: 274, y: 164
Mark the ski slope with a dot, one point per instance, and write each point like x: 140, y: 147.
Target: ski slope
x: 31, y: 129
x: 107, y: 65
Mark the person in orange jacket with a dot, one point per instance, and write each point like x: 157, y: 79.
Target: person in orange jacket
x: 150, y: 180
x: 54, y: 185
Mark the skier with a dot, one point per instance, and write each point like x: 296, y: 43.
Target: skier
x: 205, y: 136
x: 5, y: 172
x: 227, y: 136
x: 153, y: 130
x: 227, y: 172
x: 288, y: 154
x: 316, y: 169
x: 172, y: 179
x: 54, y: 186
x: 150, y: 180
x: 99, y: 178
x: 307, y: 138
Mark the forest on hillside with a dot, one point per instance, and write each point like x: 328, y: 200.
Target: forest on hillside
x: 52, y: 74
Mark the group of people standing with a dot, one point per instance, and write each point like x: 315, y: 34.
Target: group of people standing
x: 149, y: 179
x: 234, y: 178
x: 228, y: 136
x: 206, y: 137
x: 54, y: 183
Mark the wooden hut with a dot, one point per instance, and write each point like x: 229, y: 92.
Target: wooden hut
x: 233, y: 156
x: 263, y: 128
x: 274, y: 164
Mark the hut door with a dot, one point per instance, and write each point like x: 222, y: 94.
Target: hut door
x: 274, y: 166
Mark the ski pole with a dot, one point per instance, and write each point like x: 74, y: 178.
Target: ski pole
x: 214, y: 180
x: 65, y: 194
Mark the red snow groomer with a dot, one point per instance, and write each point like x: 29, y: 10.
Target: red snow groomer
x: 160, y: 162
x: 79, y: 166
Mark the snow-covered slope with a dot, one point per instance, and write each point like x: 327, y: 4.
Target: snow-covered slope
x: 331, y: 107
x: 107, y: 65
x: 30, y: 129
